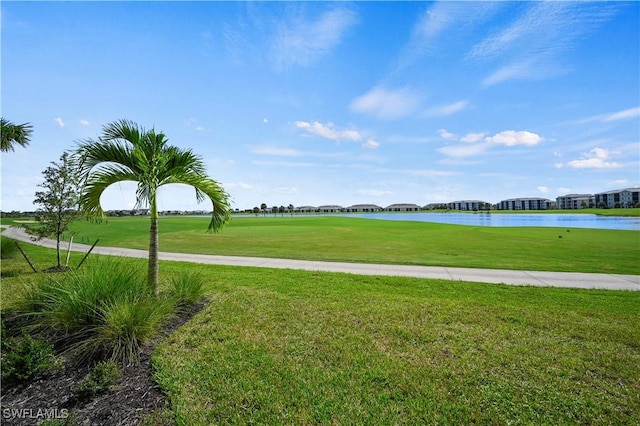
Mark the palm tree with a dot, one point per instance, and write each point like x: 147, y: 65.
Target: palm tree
x: 11, y: 134
x: 127, y: 152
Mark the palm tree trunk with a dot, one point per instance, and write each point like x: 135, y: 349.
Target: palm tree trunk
x: 152, y: 275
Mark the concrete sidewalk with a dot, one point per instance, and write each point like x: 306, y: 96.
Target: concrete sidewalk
x: 494, y: 276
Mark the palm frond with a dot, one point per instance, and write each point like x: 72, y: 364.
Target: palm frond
x: 208, y: 188
x: 92, y: 153
x: 97, y: 183
x: 11, y: 134
x: 122, y: 129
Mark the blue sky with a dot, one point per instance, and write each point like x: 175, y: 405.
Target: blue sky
x: 317, y: 103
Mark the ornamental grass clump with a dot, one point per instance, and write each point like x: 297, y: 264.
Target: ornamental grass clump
x: 8, y: 248
x: 107, y: 311
x: 186, y: 288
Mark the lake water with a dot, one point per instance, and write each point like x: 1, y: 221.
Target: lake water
x: 564, y: 220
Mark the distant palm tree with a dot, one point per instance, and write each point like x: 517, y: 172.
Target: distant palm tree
x: 11, y: 134
x: 127, y: 152
x: 263, y: 207
x: 290, y: 208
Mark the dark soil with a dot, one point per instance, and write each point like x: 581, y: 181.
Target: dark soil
x: 134, y: 396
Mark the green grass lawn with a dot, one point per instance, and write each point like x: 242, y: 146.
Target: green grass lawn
x: 291, y: 347
x: 379, y: 241
x: 297, y: 347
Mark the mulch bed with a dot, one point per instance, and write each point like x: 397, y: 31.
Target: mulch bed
x: 126, y: 403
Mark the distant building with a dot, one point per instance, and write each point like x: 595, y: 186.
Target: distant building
x: 575, y: 201
x: 468, y: 205
x: 629, y: 197
x: 526, y: 204
x: 363, y: 208
x: 306, y: 209
x: 330, y: 209
x: 403, y: 208
x: 435, y: 206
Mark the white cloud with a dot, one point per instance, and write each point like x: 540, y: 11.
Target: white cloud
x: 614, y: 116
x: 282, y: 152
x: 428, y: 173
x: 84, y: 122
x: 444, y: 134
x: 514, y: 138
x: 302, y: 42
x: 477, y: 143
x: 266, y: 120
x: 280, y: 164
x: 466, y: 150
x: 543, y: 189
x: 523, y: 69
x: 193, y: 122
x: 386, y: 104
x: 534, y: 43
x: 623, y: 115
x: 371, y: 144
x: 594, y: 159
x: 59, y: 121
x: 443, y: 18
x: 238, y: 185
x: 328, y: 131
x: 472, y: 137
x: 444, y: 110
x: 286, y: 189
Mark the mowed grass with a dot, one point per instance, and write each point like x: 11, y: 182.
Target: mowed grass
x: 378, y: 241
x: 297, y: 347
x: 293, y: 347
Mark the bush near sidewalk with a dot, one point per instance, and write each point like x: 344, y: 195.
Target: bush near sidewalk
x: 104, y: 311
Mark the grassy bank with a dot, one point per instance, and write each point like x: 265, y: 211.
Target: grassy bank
x: 296, y: 347
x: 377, y: 241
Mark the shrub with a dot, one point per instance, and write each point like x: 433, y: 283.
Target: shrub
x: 8, y: 248
x: 100, y: 379
x: 186, y: 288
x: 106, y: 311
x: 25, y: 358
x: 69, y: 419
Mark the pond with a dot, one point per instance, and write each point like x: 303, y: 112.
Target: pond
x: 563, y: 220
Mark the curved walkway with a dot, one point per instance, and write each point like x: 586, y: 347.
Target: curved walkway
x: 494, y: 276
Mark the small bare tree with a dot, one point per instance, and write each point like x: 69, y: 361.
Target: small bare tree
x: 59, y: 199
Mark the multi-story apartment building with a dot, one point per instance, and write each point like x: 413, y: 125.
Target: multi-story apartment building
x: 526, y: 204
x: 619, y: 198
x: 575, y: 201
x: 468, y: 205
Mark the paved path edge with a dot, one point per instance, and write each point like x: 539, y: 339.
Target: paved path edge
x: 491, y: 276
